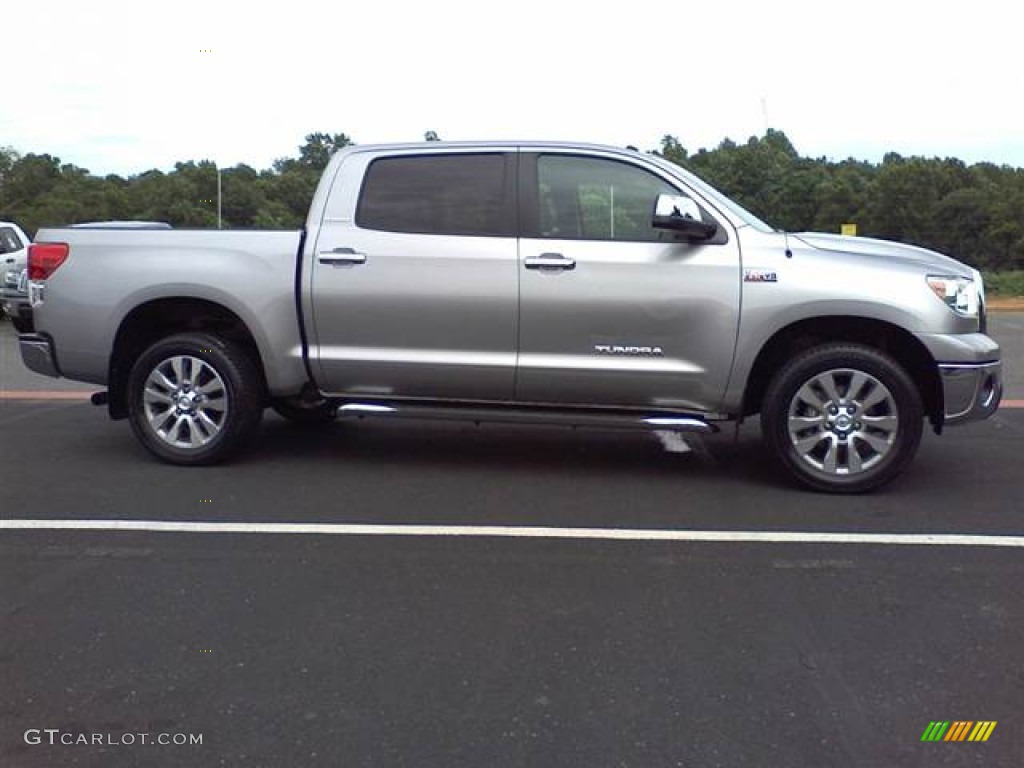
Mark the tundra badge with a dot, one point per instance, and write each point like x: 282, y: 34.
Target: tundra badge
x: 619, y: 349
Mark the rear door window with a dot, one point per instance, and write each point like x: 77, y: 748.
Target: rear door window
x: 458, y: 194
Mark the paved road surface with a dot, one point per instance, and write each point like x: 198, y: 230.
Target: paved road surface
x: 344, y: 650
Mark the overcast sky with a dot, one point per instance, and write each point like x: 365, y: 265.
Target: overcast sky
x: 121, y: 87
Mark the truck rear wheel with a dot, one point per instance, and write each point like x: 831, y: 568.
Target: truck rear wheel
x: 843, y: 418
x: 194, y: 399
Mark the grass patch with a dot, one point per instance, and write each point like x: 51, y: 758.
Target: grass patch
x: 1005, y: 283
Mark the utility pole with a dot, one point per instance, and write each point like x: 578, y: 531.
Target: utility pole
x: 218, y: 198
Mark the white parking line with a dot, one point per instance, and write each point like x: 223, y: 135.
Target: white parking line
x: 526, y: 532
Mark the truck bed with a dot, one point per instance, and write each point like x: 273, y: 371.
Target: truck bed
x: 111, y: 272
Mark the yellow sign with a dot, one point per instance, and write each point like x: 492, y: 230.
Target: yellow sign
x: 849, y: 230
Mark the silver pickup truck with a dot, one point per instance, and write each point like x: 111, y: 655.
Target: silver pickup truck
x: 531, y: 282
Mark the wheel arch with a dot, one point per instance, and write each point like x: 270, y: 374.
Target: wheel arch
x: 883, y: 336
x: 159, y: 318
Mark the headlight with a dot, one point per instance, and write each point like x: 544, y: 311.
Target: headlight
x: 958, y: 293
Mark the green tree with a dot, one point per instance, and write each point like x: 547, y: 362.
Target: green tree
x: 673, y: 151
x: 319, y: 147
x: 8, y: 157
x: 973, y: 213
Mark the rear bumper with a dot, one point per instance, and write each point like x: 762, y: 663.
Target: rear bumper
x: 38, y: 355
x: 971, y: 392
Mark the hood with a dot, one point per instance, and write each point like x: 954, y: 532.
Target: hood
x: 885, y: 249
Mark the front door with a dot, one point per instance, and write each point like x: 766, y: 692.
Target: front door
x: 613, y: 311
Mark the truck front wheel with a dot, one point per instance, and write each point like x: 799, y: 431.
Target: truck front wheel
x: 194, y: 399
x: 843, y: 418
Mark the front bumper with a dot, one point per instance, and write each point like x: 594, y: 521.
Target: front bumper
x: 14, y: 290
x: 970, y: 373
x: 19, y: 312
x: 38, y: 355
x: 971, y: 392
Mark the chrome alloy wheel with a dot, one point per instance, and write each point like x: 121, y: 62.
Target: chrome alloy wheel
x: 843, y: 421
x: 185, y: 402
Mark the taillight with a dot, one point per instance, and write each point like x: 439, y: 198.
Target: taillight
x: 45, y: 258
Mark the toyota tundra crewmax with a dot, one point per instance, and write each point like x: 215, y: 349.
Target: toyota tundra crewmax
x: 532, y: 282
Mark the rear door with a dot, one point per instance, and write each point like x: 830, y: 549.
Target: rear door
x: 613, y: 311
x: 414, y: 281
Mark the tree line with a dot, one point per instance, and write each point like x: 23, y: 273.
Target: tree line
x: 974, y: 213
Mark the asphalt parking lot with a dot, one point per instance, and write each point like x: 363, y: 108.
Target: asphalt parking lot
x: 414, y: 646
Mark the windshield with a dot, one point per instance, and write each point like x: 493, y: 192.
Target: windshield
x: 737, y: 210
x: 9, y: 241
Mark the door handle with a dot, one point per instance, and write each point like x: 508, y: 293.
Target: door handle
x: 341, y: 256
x: 549, y: 261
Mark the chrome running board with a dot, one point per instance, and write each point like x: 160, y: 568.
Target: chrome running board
x: 513, y: 414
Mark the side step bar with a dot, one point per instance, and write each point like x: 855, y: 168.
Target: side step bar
x: 526, y: 415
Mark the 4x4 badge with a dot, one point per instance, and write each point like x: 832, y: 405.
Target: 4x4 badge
x: 759, y: 276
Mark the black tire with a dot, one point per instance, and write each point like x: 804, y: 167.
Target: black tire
x: 843, y: 418
x: 306, y: 414
x: 201, y: 412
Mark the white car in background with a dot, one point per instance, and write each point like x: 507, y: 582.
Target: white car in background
x: 14, y: 272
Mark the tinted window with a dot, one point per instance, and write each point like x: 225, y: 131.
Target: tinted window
x: 437, y: 194
x: 593, y: 199
x: 9, y: 241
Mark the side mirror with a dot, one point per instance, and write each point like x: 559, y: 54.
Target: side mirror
x: 681, y: 214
